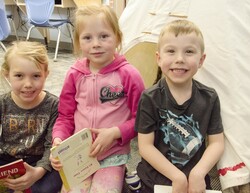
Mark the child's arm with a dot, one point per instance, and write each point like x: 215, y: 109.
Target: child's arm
x: 44, y: 162
x: 210, y: 157
x: 155, y: 158
x: 133, y: 86
x: 64, y: 125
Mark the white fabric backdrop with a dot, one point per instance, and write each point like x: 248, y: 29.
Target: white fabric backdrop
x: 226, y: 29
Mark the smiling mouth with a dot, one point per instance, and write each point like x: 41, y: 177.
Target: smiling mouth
x: 179, y: 70
x: 27, y: 93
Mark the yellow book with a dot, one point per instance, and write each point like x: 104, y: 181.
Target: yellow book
x: 168, y: 189
x: 73, y: 154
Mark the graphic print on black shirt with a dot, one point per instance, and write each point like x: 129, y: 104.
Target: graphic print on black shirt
x: 182, y: 135
x: 110, y: 92
x: 28, y: 127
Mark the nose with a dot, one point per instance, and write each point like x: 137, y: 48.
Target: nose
x: 179, y: 58
x: 28, y: 83
x: 96, y: 42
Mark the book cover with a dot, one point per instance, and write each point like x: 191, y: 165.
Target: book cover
x: 168, y: 189
x: 12, y: 170
x: 73, y: 154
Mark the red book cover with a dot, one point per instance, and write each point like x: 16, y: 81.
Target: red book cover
x: 14, y: 169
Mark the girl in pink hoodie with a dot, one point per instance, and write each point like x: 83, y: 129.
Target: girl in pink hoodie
x: 101, y: 92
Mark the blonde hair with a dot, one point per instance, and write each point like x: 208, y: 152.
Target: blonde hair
x: 33, y: 51
x: 109, y: 16
x: 180, y: 27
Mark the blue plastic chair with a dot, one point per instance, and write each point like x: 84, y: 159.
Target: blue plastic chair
x: 4, y: 24
x: 39, y: 14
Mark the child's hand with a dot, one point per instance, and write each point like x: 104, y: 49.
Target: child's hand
x: 56, y: 142
x: 196, y: 181
x: 32, y: 175
x: 103, y: 140
x: 180, y: 183
x: 55, y: 163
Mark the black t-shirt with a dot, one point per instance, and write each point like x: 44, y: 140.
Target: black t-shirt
x: 180, y: 130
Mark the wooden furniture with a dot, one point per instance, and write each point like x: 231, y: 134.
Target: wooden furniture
x: 9, y: 2
x: 61, y: 4
x: 79, y: 3
x: 143, y: 57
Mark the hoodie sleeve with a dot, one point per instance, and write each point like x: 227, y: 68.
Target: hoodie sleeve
x: 65, y: 126
x: 133, y: 86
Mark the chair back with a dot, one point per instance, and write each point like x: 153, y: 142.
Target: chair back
x: 4, y: 24
x: 39, y: 11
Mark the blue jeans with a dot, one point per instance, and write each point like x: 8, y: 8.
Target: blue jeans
x: 49, y: 183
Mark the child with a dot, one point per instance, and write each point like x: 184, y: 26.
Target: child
x: 27, y: 117
x: 100, y: 92
x: 176, y: 114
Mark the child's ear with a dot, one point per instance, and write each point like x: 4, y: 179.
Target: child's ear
x: 46, y: 74
x: 5, y: 73
x: 202, y: 59
x: 158, y: 57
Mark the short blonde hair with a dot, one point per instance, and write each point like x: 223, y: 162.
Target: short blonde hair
x: 33, y: 51
x: 109, y: 16
x: 180, y: 27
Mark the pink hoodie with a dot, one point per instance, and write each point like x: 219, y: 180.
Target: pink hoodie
x: 103, y: 100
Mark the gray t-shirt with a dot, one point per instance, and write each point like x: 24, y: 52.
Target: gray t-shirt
x: 26, y: 133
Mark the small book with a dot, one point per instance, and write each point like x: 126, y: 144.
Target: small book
x: 168, y: 189
x: 73, y: 154
x: 14, y: 169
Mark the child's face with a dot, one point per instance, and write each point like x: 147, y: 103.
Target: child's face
x: 180, y: 57
x: 98, y: 42
x: 27, y: 81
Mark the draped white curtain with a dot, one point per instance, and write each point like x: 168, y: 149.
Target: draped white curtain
x: 226, y: 29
